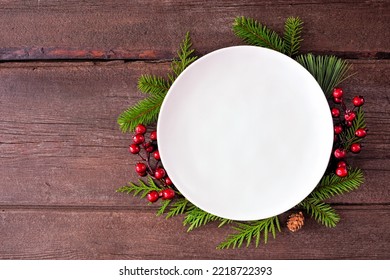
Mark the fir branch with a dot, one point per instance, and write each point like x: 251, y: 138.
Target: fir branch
x: 329, y: 71
x: 332, y: 184
x: 163, y: 207
x: 323, y: 213
x: 254, y: 33
x: 292, y: 35
x: 249, y: 231
x: 145, y: 112
x: 186, y: 57
x: 348, y: 137
x: 141, y: 189
x: 196, y: 217
x: 152, y: 84
x: 178, y: 208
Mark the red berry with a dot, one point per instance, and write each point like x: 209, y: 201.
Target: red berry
x: 168, y: 181
x: 335, y: 112
x: 361, y: 133
x: 338, y: 129
x: 140, y: 129
x: 134, y: 149
x: 142, y: 174
x: 141, y: 168
x: 149, y: 147
x: 340, y: 153
x: 337, y: 93
x: 152, y: 196
x: 337, y: 100
x: 159, y: 173
x: 153, y: 136
x: 138, y: 139
x: 348, y: 124
x: 358, y: 101
x: 168, y: 194
x: 341, y: 171
x: 156, y: 155
x: 342, y: 164
x: 350, y: 116
x: 160, y: 193
x: 355, y: 148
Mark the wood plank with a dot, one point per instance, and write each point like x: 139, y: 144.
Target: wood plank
x: 83, y: 234
x: 152, y: 29
x: 60, y: 144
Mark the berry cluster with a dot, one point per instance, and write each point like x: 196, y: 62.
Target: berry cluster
x: 147, y: 166
x: 343, y: 119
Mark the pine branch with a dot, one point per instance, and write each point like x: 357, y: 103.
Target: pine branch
x: 146, y: 111
x: 329, y: 71
x: 163, y: 207
x: 152, y: 84
x: 178, y: 208
x: 348, y: 137
x: 323, y: 213
x: 186, y: 57
x: 141, y: 189
x: 332, y: 184
x: 196, y: 217
x: 254, y: 33
x: 249, y: 231
x: 292, y: 35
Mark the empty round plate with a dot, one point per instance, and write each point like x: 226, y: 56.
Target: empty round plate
x: 245, y: 133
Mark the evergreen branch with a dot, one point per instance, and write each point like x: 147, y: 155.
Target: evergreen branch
x: 178, y: 208
x: 141, y: 189
x: 186, y: 57
x: 196, y: 217
x: 145, y: 112
x: 332, y: 184
x: 249, y: 231
x: 152, y: 84
x: 329, y: 71
x: 348, y: 137
x: 292, y: 35
x: 254, y: 33
x: 163, y: 207
x: 323, y: 213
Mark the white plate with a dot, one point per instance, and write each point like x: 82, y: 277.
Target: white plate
x: 245, y: 133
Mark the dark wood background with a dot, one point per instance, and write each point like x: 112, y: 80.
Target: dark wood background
x: 67, y: 70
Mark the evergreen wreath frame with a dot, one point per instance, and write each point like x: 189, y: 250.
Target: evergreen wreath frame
x: 329, y: 71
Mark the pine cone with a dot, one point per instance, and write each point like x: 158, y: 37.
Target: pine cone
x: 295, y: 221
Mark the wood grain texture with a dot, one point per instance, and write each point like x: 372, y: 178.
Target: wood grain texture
x: 60, y: 144
x: 151, y: 29
x: 83, y: 234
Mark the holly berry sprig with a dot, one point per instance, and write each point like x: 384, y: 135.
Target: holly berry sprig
x: 151, y: 163
x: 345, y: 119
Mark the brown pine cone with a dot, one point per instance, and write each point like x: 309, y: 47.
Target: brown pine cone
x: 295, y: 221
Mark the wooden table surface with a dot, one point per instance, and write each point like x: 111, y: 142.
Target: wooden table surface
x: 69, y: 68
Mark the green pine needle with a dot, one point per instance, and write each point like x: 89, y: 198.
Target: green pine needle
x: 178, y: 208
x: 332, y: 184
x: 153, y: 85
x: 246, y: 232
x: 141, y: 189
x: 196, y: 217
x: 163, y: 207
x: 146, y: 111
x: 254, y: 33
x: 329, y: 71
x: 348, y: 137
x: 323, y: 213
x: 292, y: 35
